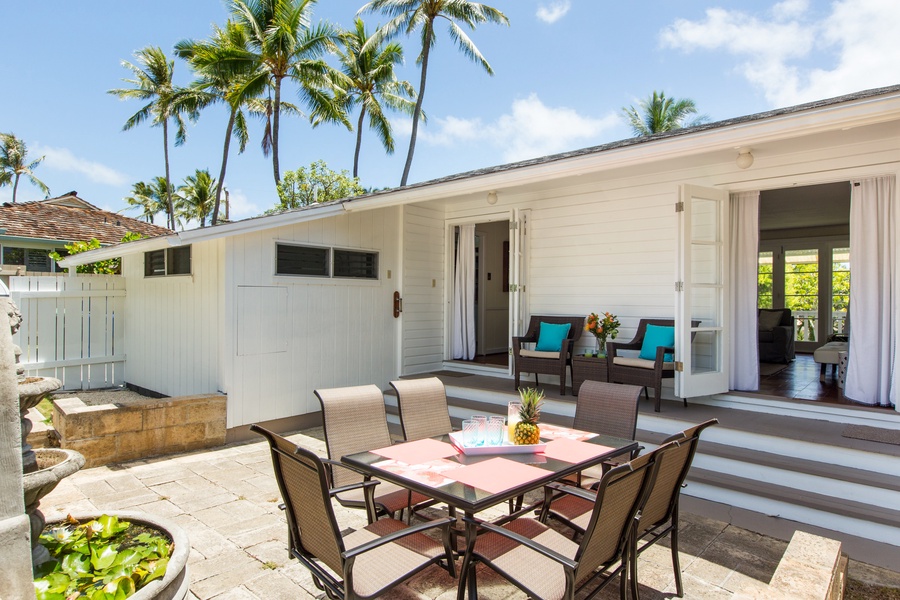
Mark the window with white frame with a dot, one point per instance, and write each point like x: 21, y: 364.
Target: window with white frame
x: 318, y: 261
x: 170, y: 261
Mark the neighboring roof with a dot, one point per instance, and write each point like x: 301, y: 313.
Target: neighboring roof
x: 68, y: 218
x: 844, y: 112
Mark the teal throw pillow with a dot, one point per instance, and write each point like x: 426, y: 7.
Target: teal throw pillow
x: 551, y: 336
x: 654, y: 337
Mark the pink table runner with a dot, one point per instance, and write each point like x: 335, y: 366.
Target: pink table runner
x: 419, y: 451
x: 496, y: 475
x: 573, y: 451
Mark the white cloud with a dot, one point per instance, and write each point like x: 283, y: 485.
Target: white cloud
x: 554, y: 11
x: 62, y: 159
x: 795, y: 58
x: 240, y: 205
x: 530, y: 130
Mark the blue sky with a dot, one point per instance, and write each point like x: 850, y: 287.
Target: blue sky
x: 563, y: 71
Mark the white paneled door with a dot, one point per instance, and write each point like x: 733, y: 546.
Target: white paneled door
x: 701, y: 290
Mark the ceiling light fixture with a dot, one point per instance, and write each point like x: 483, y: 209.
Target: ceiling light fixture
x: 744, y: 158
x: 492, y: 197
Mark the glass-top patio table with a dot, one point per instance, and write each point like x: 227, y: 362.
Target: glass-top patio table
x: 471, y: 483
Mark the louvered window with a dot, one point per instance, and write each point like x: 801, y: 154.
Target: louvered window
x: 316, y: 261
x: 171, y: 261
x: 355, y: 264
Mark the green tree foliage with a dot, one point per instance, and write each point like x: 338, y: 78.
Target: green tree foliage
x: 316, y: 184
x: 237, y: 87
x: 150, y: 198
x: 367, y: 80
x: 283, y: 45
x: 104, y: 267
x: 659, y: 114
x: 14, y: 163
x: 408, y: 16
x: 197, y: 197
x: 164, y: 102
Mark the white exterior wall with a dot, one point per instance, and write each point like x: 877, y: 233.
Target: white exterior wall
x: 291, y: 335
x: 611, y: 245
x: 173, y: 324
x: 424, y: 268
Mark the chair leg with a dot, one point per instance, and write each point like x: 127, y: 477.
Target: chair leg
x: 657, y: 389
x: 676, y: 563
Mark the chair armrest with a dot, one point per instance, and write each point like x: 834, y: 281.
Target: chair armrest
x: 352, y: 486
x: 567, y: 563
x: 571, y: 490
x: 612, y: 348
x: 443, y: 523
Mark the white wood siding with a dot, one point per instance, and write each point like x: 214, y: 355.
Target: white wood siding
x: 611, y: 245
x: 424, y: 265
x: 173, y: 325
x: 295, y: 334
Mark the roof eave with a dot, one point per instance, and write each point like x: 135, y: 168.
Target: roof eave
x: 119, y: 250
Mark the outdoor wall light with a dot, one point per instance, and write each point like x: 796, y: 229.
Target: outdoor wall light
x: 492, y: 197
x: 744, y: 158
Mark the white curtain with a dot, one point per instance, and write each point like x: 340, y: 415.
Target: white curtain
x: 873, y: 299
x: 744, y: 350
x: 463, y: 316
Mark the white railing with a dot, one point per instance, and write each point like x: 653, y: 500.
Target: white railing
x: 806, y: 323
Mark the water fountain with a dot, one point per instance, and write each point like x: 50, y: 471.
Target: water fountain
x: 43, y: 468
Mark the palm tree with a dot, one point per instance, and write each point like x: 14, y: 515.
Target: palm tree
x: 197, y: 196
x: 285, y: 46
x: 150, y: 198
x: 13, y: 164
x: 410, y: 15
x: 659, y: 114
x: 367, y: 79
x: 209, y: 59
x: 165, y: 101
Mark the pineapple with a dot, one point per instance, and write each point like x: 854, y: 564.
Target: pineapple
x: 527, y: 430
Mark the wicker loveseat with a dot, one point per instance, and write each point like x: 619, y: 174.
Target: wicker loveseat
x: 526, y: 360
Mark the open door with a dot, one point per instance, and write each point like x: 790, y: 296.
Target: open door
x: 518, y: 249
x: 702, y: 351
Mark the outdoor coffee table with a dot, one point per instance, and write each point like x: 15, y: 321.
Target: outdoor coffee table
x: 473, y: 483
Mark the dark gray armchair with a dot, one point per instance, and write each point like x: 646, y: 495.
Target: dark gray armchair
x: 776, y: 335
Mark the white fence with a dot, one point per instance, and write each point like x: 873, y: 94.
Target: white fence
x: 72, y: 328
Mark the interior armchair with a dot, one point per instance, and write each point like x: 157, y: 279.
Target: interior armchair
x: 655, y: 339
x: 776, y: 335
x: 554, y: 338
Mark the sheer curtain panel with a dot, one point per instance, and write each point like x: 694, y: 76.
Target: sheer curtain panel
x: 463, y: 316
x: 873, y: 299
x: 744, y: 259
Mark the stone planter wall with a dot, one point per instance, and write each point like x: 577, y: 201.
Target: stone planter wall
x: 108, y: 433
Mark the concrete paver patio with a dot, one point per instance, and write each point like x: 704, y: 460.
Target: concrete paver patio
x: 227, y: 501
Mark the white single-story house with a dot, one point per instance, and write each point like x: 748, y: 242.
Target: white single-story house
x: 362, y: 290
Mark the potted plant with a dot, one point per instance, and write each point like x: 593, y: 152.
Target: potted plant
x: 112, y: 557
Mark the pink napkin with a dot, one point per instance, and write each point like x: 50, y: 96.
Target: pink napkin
x: 553, y: 432
x: 432, y: 473
x: 416, y: 452
x: 573, y: 451
x: 496, y: 475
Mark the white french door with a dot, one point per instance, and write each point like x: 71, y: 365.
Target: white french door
x: 518, y: 272
x: 702, y: 350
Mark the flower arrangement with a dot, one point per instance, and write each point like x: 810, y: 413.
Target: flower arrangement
x: 603, y: 327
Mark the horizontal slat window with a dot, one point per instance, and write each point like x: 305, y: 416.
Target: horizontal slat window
x: 155, y: 263
x: 355, y: 264
x: 171, y: 261
x: 301, y: 260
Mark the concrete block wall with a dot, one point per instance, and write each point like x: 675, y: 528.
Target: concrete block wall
x: 109, y: 433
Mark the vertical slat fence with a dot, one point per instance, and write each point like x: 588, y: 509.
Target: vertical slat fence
x: 72, y: 328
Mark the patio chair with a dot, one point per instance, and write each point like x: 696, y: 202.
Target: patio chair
x: 607, y: 409
x: 423, y: 408
x: 642, y: 370
x: 544, y: 563
x: 659, y: 516
x: 367, y: 561
x: 554, y: 359
x: 354, y: 421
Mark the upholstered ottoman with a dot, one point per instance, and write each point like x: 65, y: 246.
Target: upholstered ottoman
x: 829, y: 355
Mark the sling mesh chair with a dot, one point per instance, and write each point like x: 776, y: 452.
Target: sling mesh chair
x: 423, y: 408
x: 367, y: 561
x: 546, y: 564
x: 660, y: 514
x: 607, y: 409
x: 354, y: 420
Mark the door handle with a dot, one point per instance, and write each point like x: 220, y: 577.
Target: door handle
x: 398, y: 305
